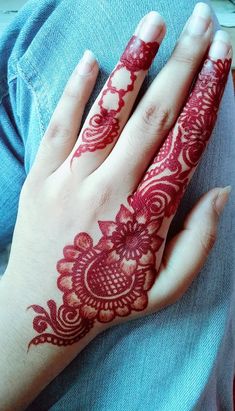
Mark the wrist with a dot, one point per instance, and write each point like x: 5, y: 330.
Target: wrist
x: 27, y: 369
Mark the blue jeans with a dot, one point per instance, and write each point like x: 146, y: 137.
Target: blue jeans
x: 181, y: 358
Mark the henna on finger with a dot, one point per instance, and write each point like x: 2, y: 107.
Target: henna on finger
x: 162, y: 103
x: 167, y: 178
x: 111, y: 279
x: 104, y: 126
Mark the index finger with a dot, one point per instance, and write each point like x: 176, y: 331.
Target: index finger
x: 167, y: 178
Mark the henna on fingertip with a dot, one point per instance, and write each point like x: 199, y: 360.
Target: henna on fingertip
x: 104, y: 125
x: 111, y: 278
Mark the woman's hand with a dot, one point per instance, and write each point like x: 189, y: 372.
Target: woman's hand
x: 89, y: 247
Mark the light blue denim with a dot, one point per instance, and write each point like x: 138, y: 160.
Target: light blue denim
x: 181, y: 358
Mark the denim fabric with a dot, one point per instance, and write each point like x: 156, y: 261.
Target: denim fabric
x: 181, y: 358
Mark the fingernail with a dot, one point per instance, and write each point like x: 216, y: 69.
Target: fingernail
x: 150, y: 28
x: 200, y: 19
x: 222, y: 199
x: 221, y: 45
x: 86, y: 64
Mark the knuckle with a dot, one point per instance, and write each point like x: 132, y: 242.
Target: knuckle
x: 184, y: 56
x: 98, y: 195
x: 156, y: 118
x: 29, y: 194
x: 57, y: 129
x: 207, y: 240
x: 71, y: 93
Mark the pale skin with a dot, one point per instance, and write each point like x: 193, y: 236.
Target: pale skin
x: 58, y: 191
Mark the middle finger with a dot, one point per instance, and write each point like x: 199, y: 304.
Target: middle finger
x: 161, y: 104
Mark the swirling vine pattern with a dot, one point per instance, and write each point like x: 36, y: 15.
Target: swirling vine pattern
x: 110, y: 279
x: 104, y: 126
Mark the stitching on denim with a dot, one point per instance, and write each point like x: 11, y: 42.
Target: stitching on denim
x: 13, y: 76
x: 29, y: 83
x: 35, y: 70
x: 3, y: 96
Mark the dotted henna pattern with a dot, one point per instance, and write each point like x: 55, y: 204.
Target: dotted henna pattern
x: 110, y: 279
x: 104, y: 126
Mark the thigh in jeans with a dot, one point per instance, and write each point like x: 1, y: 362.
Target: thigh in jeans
x: 177, y: 358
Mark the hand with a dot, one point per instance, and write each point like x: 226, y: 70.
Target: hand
x: 108, y: 201
x: 89, y: 247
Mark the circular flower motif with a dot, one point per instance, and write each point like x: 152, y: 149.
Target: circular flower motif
x: 138, y: 54
x: 199, y: 129
x: 213, y: 70
x: 192, y: 152
x: 211, y: 97
x: 101, y: 288
x: 131, y: 239
x: 112, y: 278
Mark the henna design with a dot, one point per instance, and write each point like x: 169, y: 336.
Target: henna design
x: 66, y: 323
x: 165, y: 181
x: 104, y: 126
x: 103, y: 281
x: 112, y: 278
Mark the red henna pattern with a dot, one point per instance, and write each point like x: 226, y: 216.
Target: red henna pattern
x: 66, y: 323
x: 113, y: 276
x: 169, y: 174
x: 104, y: 126
x: 111, y: 279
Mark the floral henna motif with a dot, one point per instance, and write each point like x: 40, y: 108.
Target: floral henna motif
x: 112, y: 278
x: 104, y: 281
x: 104, y: 126
x: 66, y: 323
x: 167, y: 178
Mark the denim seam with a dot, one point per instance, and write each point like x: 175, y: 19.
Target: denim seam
x: 37, y: 73
x: 12, y: 77
x: 30, y: 85
x: 4, y: 95
x: 4, y: 83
